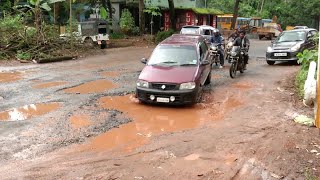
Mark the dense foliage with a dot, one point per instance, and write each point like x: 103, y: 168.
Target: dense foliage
x: 289, y: 12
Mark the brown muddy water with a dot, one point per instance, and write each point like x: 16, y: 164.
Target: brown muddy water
x: 149, y: 120
x: 97, y: 86
x: 9, y: 77
x: 28, y: 111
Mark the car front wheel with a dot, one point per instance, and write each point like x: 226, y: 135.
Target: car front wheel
x: 208, y: 80
x: 271, y: 62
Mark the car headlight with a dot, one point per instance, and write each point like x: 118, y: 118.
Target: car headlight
x: 189, y: 85
x: 214, y: 48
x: 295, y: 47
x: 269, y: 49
x: 143, y: 84
x: 233, y: 53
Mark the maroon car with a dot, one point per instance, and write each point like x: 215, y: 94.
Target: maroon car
x: 176, y: 72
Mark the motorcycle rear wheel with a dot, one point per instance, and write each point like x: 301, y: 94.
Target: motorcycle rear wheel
x: 233, y: 70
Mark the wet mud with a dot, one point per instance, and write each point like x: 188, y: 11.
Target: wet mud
x: 97, y: 86
x: 110, y: 74
x: 9, y: 77
x: 80, y: 121
x: 28, y: 111
x: 48, y: 85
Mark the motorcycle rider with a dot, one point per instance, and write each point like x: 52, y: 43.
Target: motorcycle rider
x: 217, y: 38
x: 243, y: 42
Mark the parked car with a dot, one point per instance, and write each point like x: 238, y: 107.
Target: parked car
x: 203, y: 30
x: 176, y: 72
x: 289, y: 44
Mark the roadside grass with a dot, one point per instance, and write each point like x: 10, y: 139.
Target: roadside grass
x: 300, y: 81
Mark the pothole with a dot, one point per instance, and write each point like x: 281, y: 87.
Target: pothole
x: 28, y: 111
x: 92, y: 87
x: 9, y: 77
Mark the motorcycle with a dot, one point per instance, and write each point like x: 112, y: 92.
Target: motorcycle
x: 228, y: 49
x: 214, y: 52
x: 237, y: 60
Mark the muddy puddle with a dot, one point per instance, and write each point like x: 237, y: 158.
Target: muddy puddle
x: 79, y: 121
x: 48, y: 85
x: 9, y: 76
x: 149, y: 121
x: 92, y: 87
x: 28, y: 111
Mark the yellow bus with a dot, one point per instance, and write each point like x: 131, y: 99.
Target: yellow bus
x: 224, y: 22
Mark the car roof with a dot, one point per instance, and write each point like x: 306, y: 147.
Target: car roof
x: 298, y: 30
x: 183, y: 39
x: 202, y: 26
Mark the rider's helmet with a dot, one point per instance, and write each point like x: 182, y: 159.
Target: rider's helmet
x: 216, y: 32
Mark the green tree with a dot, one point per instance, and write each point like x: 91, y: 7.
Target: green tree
x: 126, y: 21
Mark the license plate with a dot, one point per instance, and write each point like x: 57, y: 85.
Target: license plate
x: 163, y: 100
x: 280, y: 54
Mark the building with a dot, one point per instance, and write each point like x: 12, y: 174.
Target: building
x: 188, y: 12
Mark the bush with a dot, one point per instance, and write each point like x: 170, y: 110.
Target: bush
x: 117, y: 36
x: 163, y: 35
x: 23, y: 55
x: 135, y: 31
x: 304, y: 59
x: 126, y: 22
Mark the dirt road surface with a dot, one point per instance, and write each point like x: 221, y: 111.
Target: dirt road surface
x: 79, y: 120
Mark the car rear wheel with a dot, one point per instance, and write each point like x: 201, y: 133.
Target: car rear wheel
x: 271, y: 62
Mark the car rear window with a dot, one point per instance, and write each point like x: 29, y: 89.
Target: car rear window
x: 190, y: 30
x: 292, y: 36
x: 174, y: 55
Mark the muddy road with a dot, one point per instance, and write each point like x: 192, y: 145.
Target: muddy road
x: 80, y: 120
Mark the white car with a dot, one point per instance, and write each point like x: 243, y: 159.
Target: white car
x: 204, y: 30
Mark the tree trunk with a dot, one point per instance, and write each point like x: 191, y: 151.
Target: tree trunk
x: 172, y: 15
x: 141, y: 17
x: 235, y: 14
x: 262, y: 4
x: 106, y: 4
x: 110, y: 13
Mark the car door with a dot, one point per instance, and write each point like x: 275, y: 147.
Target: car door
x: 204, y: 55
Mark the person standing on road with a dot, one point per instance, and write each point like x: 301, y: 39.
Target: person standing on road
x: 218, y: 39
x: 243, y: 42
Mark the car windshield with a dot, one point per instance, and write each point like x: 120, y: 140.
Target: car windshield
x: 292, y: 36
x: 189, y: 30
x: 174, y: 56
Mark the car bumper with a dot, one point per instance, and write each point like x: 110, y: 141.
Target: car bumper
x: 291, y: 56
x: 182, y: 97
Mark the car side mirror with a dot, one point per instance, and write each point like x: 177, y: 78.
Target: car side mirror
x: 144, y: 60
x: 205, y: 62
